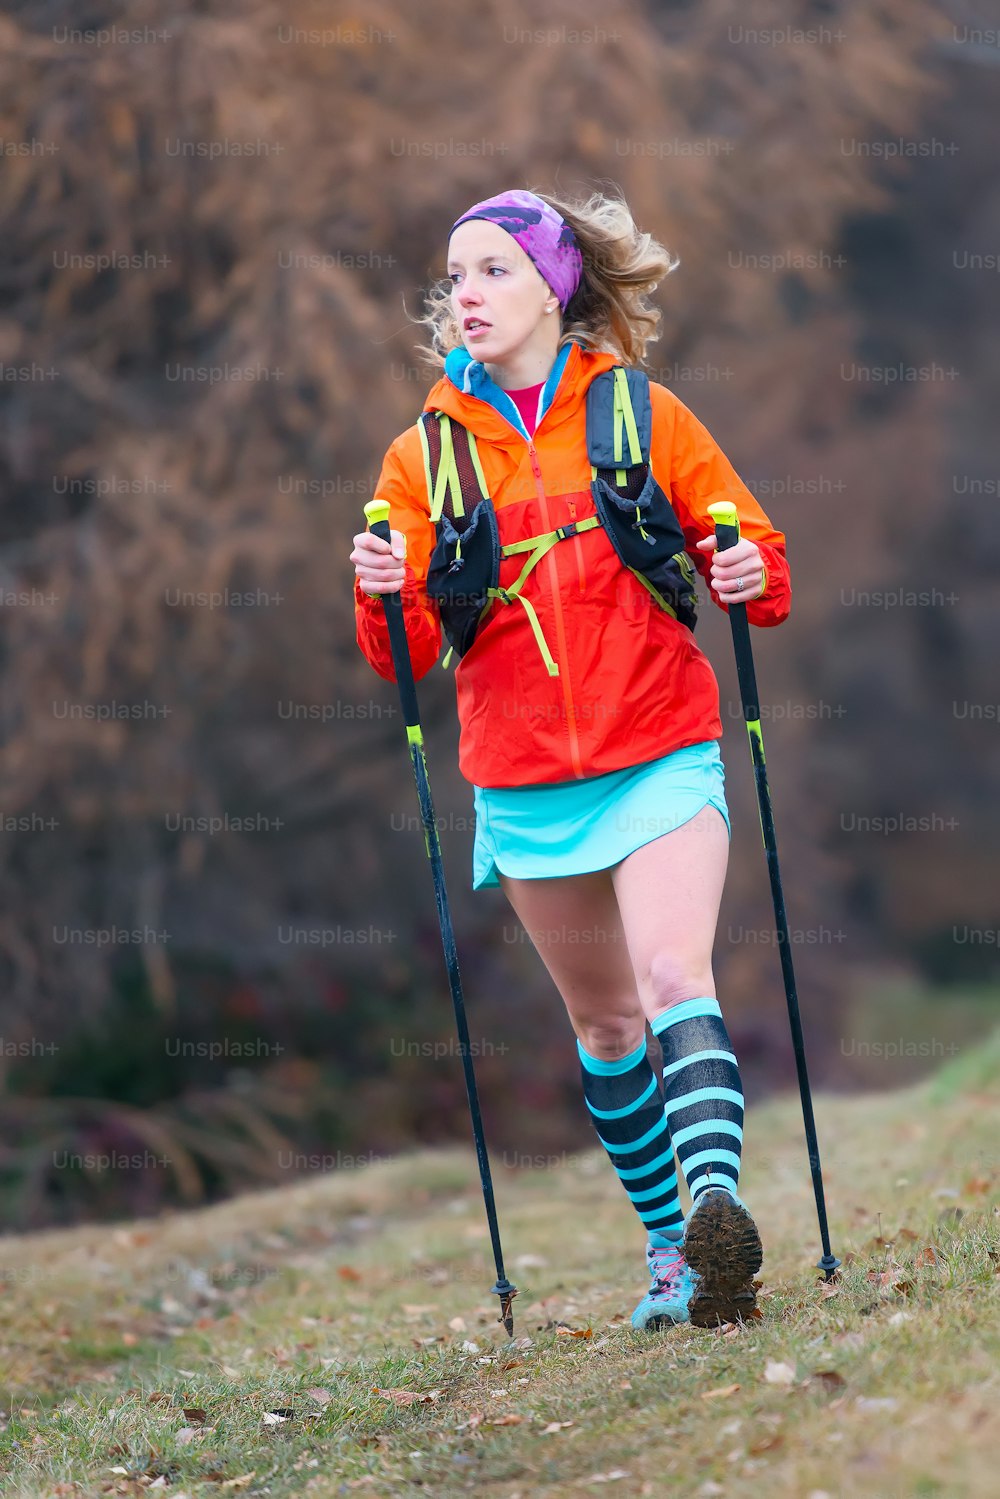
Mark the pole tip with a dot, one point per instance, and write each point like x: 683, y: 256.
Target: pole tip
x: 828, y: 1264
x: 506, y: 1291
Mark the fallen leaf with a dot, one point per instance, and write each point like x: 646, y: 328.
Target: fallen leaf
x: 779, y: 1373
x: 510, y: 1419
x: 348, y: 1272
x: 977, y: 1184
x: 766, y: 1444
x: 195, y: 1414
x: 926, y: 1256
x: 407, y: 1397
x: 829, y: 1291
x: 241, y: 1482
x: 321, y: 1397
x: 830, y: 1379
x: 611, y: 1477
x: 726, y: 1389
x: 573, y: 1332
x: 555, y: 1426
x: 185, y: 1435
x: 457, y: 1324
x: 907, y: 1233
x: 276, y: 1418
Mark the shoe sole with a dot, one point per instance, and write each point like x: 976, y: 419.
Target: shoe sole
x: 723, y: 1248
x: 656, y: 1324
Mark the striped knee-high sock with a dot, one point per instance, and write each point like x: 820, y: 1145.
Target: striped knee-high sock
x: 704, y: 1095
x: 626, y: 1106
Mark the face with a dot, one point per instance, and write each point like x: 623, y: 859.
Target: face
x: 495, y: 284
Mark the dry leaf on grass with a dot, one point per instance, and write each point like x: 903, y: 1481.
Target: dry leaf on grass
x: 726, y: 1389
x: 555, y: 1426
x: 510, y: 1419
x: 564, y: 1331
x: 322, y: 1397
x: 977, y: 1184
x: 766, y: 1444
x: 779, y: 1373
x: 926, y: 1256
x: 348, y: 1272
x: 407, y: 1397
x: 830, y: 1379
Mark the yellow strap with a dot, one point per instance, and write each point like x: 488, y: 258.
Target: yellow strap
x: 447, y: 474
x: 507, y: 596
x: 623, y: 413
x: 474, y: 455
x: 540, y: 545
x: 655, y: 592
x: 523, y: 546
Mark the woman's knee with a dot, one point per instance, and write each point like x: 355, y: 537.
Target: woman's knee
x: 674, y: 977
x: 611, y: 1038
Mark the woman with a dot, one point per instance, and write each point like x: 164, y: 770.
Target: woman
x: 598, y: 786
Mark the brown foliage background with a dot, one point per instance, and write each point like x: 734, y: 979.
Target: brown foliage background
x: 129, y: 482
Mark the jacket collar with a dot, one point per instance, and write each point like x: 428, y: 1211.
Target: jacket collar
x: 467, y: 392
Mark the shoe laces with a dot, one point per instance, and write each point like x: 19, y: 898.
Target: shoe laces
x: 667, y: 1266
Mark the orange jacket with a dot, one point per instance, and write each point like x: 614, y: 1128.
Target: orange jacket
x: 633, y: 684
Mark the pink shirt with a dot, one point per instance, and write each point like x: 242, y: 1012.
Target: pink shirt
x: 526, y: 401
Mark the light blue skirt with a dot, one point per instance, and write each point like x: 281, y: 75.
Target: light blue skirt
x: 574, y: 827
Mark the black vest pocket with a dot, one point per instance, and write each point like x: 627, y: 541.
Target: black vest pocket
x: 458, y: 577
x: 659, y: 555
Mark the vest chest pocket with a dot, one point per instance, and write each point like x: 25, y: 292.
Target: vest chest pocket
x: 464, y: 566
x: 648, y: 539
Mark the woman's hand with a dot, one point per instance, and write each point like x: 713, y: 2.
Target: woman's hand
x: 379, y: 567
x: 737, y: 573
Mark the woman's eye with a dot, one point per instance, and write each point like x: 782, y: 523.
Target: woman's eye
x: 496, y: 268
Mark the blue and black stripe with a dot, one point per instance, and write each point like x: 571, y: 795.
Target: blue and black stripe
x: 703, y: 1093
x: 626, y: 1105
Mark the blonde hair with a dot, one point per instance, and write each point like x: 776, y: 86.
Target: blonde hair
x: 610, y: 310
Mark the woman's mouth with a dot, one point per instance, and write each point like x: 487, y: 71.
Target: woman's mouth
x: 474, y: 327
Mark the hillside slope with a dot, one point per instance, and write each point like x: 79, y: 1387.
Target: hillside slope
x: 341, y: 1336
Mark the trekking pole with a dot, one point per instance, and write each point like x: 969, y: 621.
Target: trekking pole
x: 377, y: 515
x: 727, y: 534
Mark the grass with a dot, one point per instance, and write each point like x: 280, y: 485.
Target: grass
x: 339, y: 1336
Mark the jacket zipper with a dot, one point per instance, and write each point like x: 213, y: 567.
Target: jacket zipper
x: 562, y: 654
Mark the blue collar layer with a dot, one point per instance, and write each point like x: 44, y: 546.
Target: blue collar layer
x: 470, y: 377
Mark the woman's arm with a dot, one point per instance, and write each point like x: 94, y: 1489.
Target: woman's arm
x: 685, y: 455
x: 401, y: 483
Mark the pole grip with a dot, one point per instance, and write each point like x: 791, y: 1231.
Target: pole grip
x: 727, y: 534
x: 727, y: 524
x: 377, y: 516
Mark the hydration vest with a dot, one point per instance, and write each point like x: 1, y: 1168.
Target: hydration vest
x: 464, y: 572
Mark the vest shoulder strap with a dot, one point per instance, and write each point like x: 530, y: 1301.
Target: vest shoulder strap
x: 619, y: 428
x: 454, y: 474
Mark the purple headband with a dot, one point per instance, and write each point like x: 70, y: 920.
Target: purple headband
x: 543, y: 234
